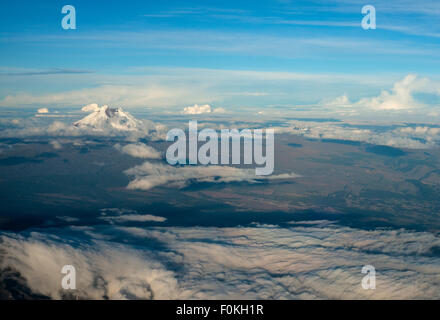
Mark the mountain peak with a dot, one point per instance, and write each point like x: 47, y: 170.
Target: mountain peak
x: 106, y: 118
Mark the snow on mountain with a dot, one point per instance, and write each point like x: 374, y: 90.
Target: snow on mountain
x: 109, y: 119
x: 116, y: 122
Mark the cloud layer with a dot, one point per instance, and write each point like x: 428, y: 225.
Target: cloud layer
x: 411, y: 137
x: 261, y: 262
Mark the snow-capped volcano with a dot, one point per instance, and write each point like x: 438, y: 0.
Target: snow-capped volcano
x: 105, y: 118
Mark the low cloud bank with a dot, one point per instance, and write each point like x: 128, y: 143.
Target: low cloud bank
x: 410, y: 137
x: 262, y: 262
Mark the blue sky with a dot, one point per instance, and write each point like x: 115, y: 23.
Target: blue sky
x: 284, y: 47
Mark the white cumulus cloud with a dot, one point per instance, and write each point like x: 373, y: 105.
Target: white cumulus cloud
x: 43, y: 110
x: 90, y: 107
x: 139, y: 150
x: 401, y: 97
x: 196, y: 109
x: 219, y: 110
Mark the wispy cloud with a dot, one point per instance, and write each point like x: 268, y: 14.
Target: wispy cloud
x: 150, y: 175
x: 33, y: 72
x: 139, y: 150
x: 116, y: 215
